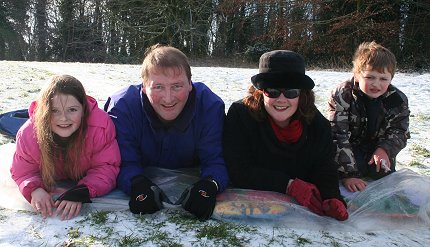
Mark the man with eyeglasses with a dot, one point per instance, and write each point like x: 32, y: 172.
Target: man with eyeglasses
x: 275, y: 139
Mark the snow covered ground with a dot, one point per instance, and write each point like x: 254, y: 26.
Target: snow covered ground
x: 20, y: 82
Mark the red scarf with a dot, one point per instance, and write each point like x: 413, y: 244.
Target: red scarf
x: 289, y: 134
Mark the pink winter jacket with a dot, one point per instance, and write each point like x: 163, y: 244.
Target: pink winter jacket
x: 100, y: 161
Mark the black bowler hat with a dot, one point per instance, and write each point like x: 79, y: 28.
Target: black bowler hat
x: 282, y: 69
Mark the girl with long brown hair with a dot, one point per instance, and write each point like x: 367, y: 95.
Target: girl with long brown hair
x: 66, y: 137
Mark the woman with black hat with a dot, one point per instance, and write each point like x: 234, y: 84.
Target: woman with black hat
x: 275, y: 139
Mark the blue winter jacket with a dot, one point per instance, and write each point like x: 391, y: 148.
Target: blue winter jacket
x: 194, y: 138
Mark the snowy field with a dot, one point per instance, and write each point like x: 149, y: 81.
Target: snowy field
x: 20, y: 82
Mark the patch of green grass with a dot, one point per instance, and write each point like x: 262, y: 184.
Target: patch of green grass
x: 3, y: 218
x: 37, y: 74
x: 90, y: 240
x: 174, y: 245
x: 223, y: 234
x: 213, y: 231
x: 74, y: 233
x: 130, y: 240
x: 185, y: 221
x: 161, y: 238
x: 27, y: 212
x: 109, y: 231
x: 301, y: 241
x: 415, y: 163
x: 298, y: 239
x: 78, y: 238
x: 33, y: 90
x: 146, y: 219
x: 23, y: 94
x: 421, y: 117
x: 153, y: 231
x: 99, y: 217
x: 420, y: 150
x: 333, y: 241
x: 34, y: 232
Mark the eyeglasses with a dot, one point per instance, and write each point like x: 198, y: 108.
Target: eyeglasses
x: 276, y: 92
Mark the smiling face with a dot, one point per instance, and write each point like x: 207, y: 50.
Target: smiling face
x: 167, y: 91
x: 281, y: 109
x: 66, y: 114
x: 372, y: 82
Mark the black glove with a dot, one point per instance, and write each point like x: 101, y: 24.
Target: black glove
x: 200, y: 198
x: 79, y: 193
x: 145, y: 196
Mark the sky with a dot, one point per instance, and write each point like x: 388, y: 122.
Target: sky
x: 20, y: 83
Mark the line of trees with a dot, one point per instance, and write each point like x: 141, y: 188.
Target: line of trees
x: 118, y: 31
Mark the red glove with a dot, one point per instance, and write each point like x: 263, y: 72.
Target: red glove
x: 335, y: 209
x: 306, y: 194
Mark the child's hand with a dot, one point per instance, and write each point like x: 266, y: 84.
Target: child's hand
x: 42, y: 202
x: 354, y: 184
x: 67, y: 209
x: 379, y: 157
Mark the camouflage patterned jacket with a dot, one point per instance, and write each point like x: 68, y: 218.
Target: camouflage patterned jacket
x: 347, y: 116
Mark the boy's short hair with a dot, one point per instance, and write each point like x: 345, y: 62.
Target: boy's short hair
x: 164, y: 57
x: 373, y: 56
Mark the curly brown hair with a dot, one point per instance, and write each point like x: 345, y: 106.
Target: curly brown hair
x: 305, y: 111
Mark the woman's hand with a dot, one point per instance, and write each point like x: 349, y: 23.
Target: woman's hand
x: 354, y: 184
x: 42, y: 202
x: 67, y: 209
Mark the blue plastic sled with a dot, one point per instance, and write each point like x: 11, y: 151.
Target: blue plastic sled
x: 10, y: 122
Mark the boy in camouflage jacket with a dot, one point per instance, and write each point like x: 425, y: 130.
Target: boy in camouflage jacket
x: 369, y: 118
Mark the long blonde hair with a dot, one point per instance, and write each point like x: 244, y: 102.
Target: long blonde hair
x: 51, y: 149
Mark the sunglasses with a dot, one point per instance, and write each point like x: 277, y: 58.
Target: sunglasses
x: 276, y: 92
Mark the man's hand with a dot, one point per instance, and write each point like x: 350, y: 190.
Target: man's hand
x: 145, y: 196
x: 201, y: 198
x: 42, y: 202
x: 306, y: 194
x: 354, y: 184
x: 380, y: 158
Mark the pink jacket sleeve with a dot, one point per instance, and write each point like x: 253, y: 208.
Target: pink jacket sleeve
x: 102, y: 155
x: 25, y: 167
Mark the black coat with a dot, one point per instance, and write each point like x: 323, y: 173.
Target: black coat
x: 257, y: 160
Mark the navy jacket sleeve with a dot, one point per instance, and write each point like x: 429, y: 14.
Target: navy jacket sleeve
x: 125, y: 108
x: 211, y: 112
